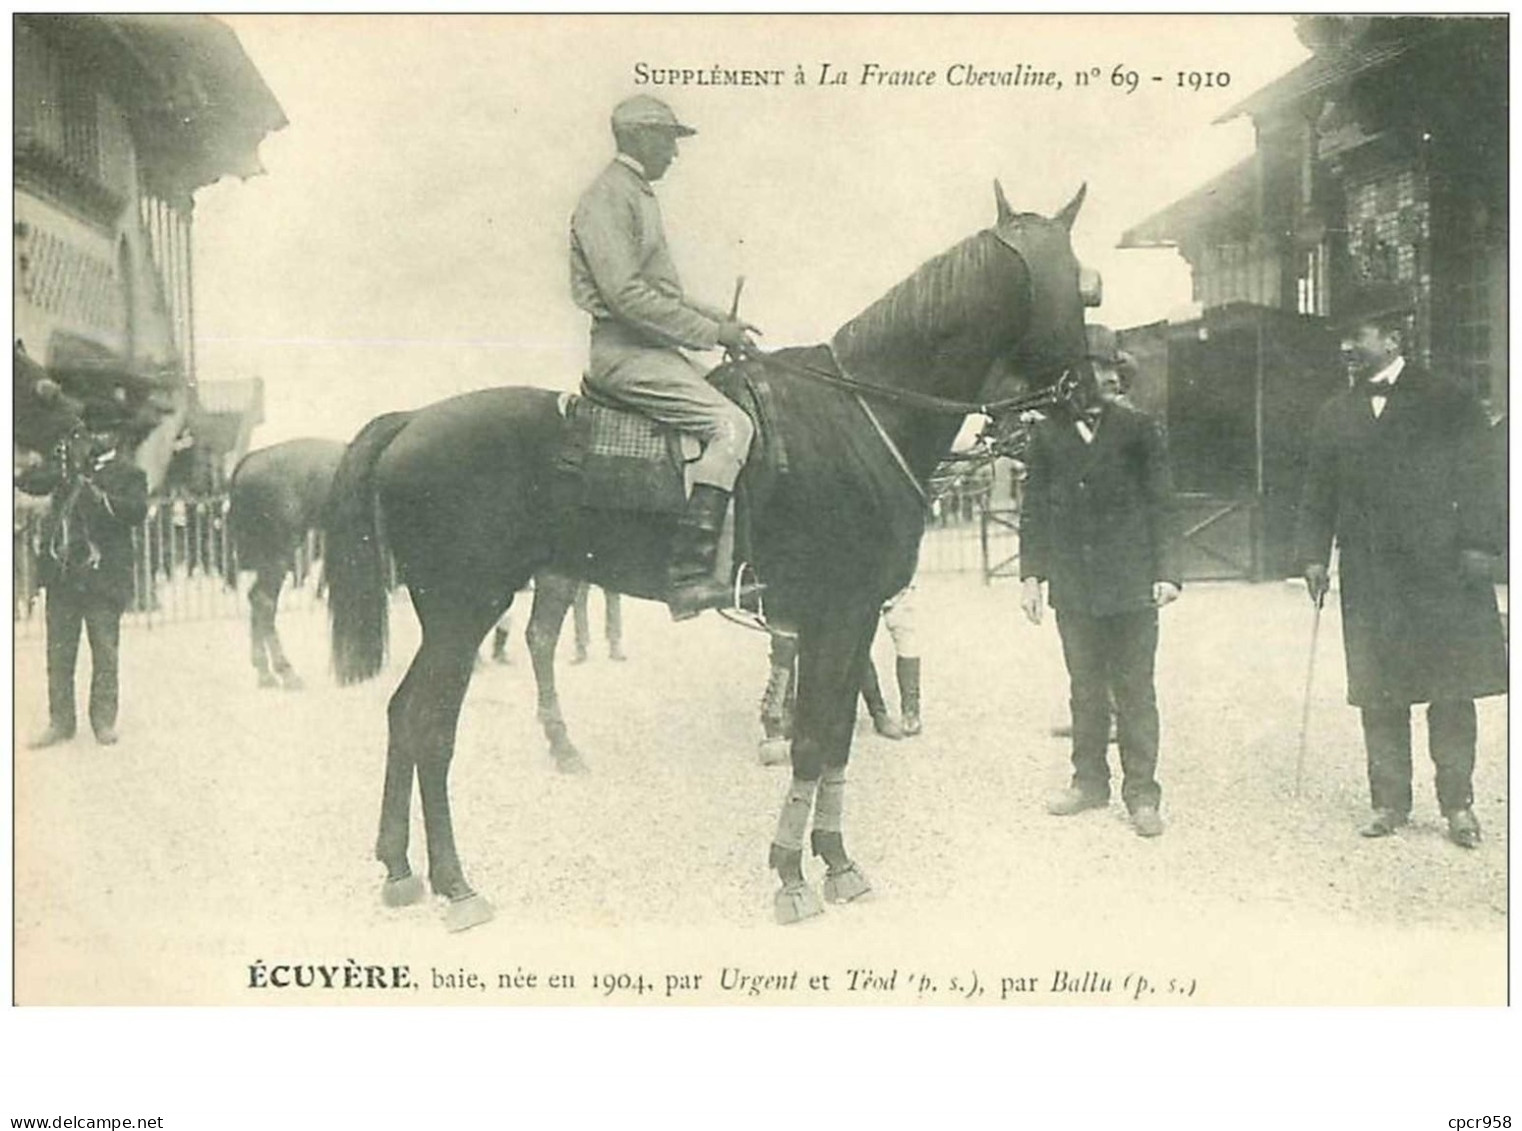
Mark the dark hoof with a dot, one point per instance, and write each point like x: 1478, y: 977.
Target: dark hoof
x: 774, y: 752
x: 570, y: 761
x: 107, y: 736
x: 267, y: 680
x: 795, y: 903
x: 846, y: 885
x: 403, y: 892
x: 463, y: 914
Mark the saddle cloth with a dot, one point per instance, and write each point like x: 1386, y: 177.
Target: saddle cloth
x: 624, y: 461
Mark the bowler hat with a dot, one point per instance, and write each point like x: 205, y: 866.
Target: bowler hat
x: 643, y: 110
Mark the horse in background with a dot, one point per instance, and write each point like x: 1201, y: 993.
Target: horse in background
x: 473, y: 502
x: 277, y: 494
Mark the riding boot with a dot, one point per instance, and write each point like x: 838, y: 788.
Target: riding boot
x: 694, y: 550
x: 872, y: 696
x: 909, y: 694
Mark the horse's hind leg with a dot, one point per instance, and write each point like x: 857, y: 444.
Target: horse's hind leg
x: 451, y: 636
x: 261, y: 626
x: 553, y: 595
x: 283, y: 669
x: 401, y: 887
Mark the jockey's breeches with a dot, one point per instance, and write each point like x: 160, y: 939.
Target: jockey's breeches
x: 664, y: 385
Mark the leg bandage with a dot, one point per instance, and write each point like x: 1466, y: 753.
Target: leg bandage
x: 831, y: 803
x: 794, y: 819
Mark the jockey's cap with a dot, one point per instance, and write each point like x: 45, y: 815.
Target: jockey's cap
x: 643, y: 110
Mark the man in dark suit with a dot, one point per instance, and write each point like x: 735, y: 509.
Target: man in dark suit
x: 97, y: 498
x: 1400, y: 477
x: 1096, y: 526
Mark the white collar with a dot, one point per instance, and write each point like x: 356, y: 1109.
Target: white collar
x: 633, y: 163
x: 1389, y: 374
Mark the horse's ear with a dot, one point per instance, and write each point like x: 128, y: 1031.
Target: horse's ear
x: 1069, y: 211
x: 1006, y: 213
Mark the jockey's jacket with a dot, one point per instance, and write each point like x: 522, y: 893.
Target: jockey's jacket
x: 621, y: 267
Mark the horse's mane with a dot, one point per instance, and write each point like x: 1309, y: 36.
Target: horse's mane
x: 966, y: 298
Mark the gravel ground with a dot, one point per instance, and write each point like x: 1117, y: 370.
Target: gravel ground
x: 230, y: 823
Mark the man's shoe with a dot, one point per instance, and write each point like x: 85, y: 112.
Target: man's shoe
x: 50, y: 737
x: 1146, y: 821
x: 885, y: 725
x: 1383, y: 823
x: 1463, y: 829
x: 107, y: 736
x: 617, y: 653
x: 1074, y: 800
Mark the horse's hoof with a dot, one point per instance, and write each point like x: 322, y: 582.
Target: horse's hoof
x: 844, y: 886
x: 268, y: 680
x: 570, y: 762
x: 774, y: 752
x: 292, y: 682
x: 472, y: 911
x: 797, y: 902
x: 403, y: 892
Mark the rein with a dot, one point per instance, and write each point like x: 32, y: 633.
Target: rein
x: 908, y: 398
x: 1060, y: 391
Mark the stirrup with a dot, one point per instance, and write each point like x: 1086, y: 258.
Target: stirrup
x: 738, y: 613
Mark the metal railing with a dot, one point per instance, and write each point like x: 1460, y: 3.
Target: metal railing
x: 180, y: 556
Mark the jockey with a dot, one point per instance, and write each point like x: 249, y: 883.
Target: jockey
x: 623, y: 276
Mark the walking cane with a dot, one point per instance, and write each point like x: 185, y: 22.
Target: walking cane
x: 1305, y: 713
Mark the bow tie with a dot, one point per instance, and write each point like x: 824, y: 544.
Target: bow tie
x: 1091, y: 416
x: 1376, y: 388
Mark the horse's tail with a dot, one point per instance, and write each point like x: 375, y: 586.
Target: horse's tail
x: 230, y: 528
x: 355, y: 555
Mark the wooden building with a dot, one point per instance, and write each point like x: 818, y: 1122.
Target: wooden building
x: 1380, y: 166
x: 119, y: 120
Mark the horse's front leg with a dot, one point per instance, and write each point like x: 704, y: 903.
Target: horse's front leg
x: 832, y: 652
x: 553, y: 595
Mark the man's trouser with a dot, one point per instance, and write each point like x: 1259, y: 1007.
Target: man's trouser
x: 899, y: 618
x: 665, y: 386
x: 1113, y: 656
x: 613, y: 618
x: 1450, y: 741
x: 67, y: 610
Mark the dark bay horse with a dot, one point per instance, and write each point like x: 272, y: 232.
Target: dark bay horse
x: 468, y: 496
x: 276, y: 495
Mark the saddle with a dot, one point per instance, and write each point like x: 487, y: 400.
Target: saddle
x: 624, y: 461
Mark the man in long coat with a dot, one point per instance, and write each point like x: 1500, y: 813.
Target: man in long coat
x: 1399, y: 479
x: 97, y: 498
x: 1097, y: 526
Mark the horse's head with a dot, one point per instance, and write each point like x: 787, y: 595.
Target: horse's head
x: 1052, y: 348
x: 43, y: 412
